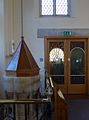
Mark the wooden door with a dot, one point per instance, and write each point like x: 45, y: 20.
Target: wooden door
x: 66, y: 62
x: 77, y: 66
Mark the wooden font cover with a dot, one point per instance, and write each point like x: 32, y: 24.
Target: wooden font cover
x: 22, y: 62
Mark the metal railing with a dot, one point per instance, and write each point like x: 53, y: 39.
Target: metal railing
x: 42, y: 109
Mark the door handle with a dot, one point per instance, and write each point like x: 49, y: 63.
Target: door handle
x: 68, y: 59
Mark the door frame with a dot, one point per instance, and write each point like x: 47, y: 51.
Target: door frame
x: 47, y: 41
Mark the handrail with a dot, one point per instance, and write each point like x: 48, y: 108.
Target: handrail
x: 23, y: 101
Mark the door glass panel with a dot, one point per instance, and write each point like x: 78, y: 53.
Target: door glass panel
x: 76, y: 44
x: 77, y: 61
x: 77, y: 79
x: 56, y: 57
x: 58, y: 79
x: 77, y: 65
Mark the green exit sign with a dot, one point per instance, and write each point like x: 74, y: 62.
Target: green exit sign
x: 67, y: 33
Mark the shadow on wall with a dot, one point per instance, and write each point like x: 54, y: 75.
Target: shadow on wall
x: 1, y: 85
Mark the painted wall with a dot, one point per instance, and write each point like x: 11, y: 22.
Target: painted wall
x: 32, y: 21
x: 2, y: 42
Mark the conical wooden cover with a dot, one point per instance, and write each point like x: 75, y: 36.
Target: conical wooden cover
x: 22, y: 63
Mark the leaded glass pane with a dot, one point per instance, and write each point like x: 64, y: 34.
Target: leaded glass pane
x: 54, y: 7
x: 77, y: 61
x: 76, y: 44
x: 77, y: 79
x: 56, y: 61
x: 58, y: 79
x: 61, y: 7
x: 56, y: 55
x: 47, y: 7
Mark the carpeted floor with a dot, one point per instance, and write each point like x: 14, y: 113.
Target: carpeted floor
x: 78, y: 109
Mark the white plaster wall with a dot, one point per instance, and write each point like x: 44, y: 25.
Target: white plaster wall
x: 12, y: 24
x: 2, y: 43
x: 32, y: 21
